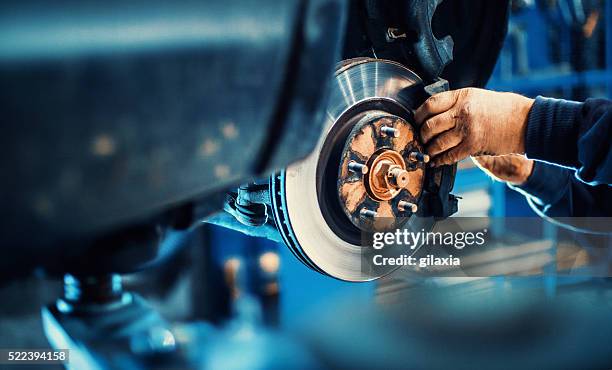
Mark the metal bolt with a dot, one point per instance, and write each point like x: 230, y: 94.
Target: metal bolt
x: 418, y: 157
x: 358, y: 167
x: 405, y: 206
x: 390, y: 131
x: 367, y: 213
x: 398, y: 176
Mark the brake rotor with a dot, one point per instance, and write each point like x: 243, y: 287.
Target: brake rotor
x: 366, y: 172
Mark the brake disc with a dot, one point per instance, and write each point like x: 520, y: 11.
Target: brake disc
x: 367, y: 172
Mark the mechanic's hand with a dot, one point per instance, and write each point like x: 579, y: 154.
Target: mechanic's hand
x: 457, y: 124
x: 512, y: 168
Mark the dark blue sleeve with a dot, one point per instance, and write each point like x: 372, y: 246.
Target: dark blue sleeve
x: 548, y: 186
x: 573, y: 135
x: 553, y: 191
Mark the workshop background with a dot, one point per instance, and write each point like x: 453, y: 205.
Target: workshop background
x: 553, y: 48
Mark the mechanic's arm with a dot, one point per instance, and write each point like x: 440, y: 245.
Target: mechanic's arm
x: 460, y: 123
x: 552, y: 191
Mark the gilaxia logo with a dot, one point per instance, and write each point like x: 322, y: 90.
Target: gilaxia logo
x: 459, y: 240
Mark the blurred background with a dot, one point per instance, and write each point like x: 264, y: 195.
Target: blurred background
x: 555, y: 48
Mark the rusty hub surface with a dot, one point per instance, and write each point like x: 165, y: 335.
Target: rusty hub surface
x: 379, y: 179
x: 388, y: 175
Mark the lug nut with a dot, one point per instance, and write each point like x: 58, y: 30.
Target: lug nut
x: 405, y: 206
x: 389, y: 131
x: 358, y: 167
x: 398, y: 177
x: 367, y: 213
x: 418, y: 157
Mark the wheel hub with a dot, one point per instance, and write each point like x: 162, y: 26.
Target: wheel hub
x: 388, y: 175
x: 381, y: 175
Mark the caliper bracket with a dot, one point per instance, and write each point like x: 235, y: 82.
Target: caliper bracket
x: 437, y: 201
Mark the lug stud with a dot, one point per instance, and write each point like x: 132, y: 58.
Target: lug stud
x: 367, y: 213
x: 389, y: 131
x: 405, y: 206
x: 418, y: 157
x: 358, y: 167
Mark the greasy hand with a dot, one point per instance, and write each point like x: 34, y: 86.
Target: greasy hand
x: 457, y: 124
x: 512, y: 168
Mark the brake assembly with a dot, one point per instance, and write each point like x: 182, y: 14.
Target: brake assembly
x: 368, y: 171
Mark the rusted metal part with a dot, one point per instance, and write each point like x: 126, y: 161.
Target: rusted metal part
x: 388, y: 176
x: 385, y: 145
x: 405, y: 206
x: 418, y: 157
x: 358, y: 167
